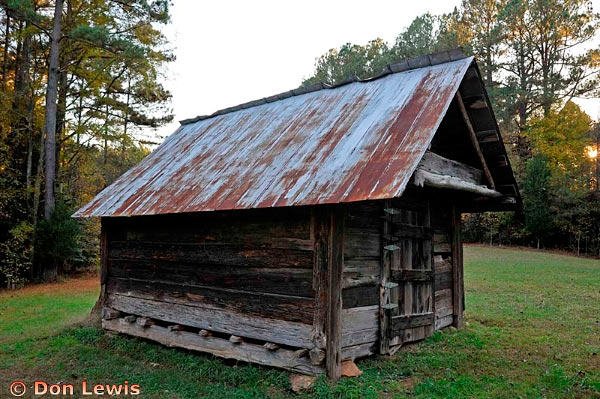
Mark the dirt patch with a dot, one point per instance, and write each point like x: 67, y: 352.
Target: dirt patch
x: 88, y: 282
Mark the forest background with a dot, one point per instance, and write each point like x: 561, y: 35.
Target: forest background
x: 81, y: 80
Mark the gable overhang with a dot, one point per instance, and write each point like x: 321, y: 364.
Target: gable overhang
x: 491, y: 144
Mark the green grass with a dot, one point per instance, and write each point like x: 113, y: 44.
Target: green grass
x: 532, y: 331
x: 44, y: 310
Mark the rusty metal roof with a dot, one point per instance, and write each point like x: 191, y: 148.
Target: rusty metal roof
x: 358, y: 141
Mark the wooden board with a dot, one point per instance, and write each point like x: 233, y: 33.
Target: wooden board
x: 361, y: 274
x: 360, y: 325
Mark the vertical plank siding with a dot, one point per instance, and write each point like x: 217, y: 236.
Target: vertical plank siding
x: 362, y: 270
x: 361, y: 277
x: 414, y: 296
x: 443, y: 264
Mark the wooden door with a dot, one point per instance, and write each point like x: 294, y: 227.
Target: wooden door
x: 407, y: 298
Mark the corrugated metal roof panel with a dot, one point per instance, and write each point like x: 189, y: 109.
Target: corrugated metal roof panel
x: 360, y: 141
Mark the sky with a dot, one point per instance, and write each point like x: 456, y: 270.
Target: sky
x: 230, y: 52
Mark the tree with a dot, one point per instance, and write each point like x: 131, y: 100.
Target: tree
x: 557, y: 30
x: 50, y: 119
x: 545, y: 61
x: 422, y: 36
x: 101, y: 90
x: 535, y: 56
x: 536, y: 185
x: 350, y: 60
x: 480, y: 30
x: 425, y: 34
x: 561, y: 136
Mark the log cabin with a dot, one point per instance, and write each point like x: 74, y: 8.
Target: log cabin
x: 308, y: 228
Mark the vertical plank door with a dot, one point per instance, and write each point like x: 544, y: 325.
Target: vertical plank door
x: 409, y: 286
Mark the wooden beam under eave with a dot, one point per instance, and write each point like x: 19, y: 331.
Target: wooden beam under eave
x: 473, y: 136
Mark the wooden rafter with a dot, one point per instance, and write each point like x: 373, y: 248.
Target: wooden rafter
x: 473, y: 136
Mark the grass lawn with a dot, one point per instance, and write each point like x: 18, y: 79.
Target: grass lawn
x: 532, y: 331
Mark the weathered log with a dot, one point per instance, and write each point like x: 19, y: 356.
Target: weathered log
x: 222, y: 254
x: 358, y: 351
x: 355, y: 297
x: 215, y: 319
x: 283, y: 228
x: 458, y: 290
x: 384, y: 274
x: 287, y: 281
x: 424, y: 178
x: 283, y: 358
x: 437, y: 164
x: 129, y: 319
x: 444, y: 322
x: 320, y: 233
x: 411, y: 321
x: 283, y: 307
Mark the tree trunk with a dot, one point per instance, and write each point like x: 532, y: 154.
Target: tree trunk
x: 29, y: 165
x: 37, y: 188
x: 50, y: 117
x: 63, y: 88
x: 61, y: 115
x: 23, y: 103
x: 5, y: 53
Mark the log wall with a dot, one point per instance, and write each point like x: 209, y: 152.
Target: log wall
x: 248, y: 273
